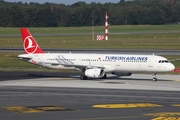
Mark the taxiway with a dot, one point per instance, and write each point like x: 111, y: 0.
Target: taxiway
x: 63, y: 96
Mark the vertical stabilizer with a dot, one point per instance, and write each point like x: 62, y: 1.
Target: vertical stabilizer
x: 29, y: 43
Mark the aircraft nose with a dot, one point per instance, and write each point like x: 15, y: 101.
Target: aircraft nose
x: 171, y: 67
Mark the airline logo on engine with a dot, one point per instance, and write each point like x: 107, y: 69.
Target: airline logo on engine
x: 127, y: 58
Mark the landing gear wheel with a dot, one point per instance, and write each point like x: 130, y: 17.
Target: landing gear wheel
x: 82, y: 77
x: 104, y: 77
x: 154, y: 79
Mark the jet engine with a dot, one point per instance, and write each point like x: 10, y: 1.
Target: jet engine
x: 122, y: 74
x: 94, y: 73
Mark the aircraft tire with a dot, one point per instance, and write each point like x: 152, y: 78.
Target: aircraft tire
x: 104, y: 77
x: 154, y: 79
x: 82, y: 77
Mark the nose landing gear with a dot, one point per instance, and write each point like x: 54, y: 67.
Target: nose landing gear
x: 154, y: 77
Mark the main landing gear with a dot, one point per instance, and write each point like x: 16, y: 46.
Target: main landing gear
x: 104, y: 77
x: 154, y: 77
x: 83, y: 77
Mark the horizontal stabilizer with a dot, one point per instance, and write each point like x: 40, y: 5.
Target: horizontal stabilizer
x: 24, y: 57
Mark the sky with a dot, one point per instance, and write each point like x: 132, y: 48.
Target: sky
x: 67, y: 2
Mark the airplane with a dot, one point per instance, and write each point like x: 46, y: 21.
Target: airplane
x: 93, y: 65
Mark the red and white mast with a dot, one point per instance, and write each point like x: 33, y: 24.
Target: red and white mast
x: 106, y: 27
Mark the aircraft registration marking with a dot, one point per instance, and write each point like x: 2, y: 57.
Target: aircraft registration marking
x: 35, y: 109
x: 133, y: 105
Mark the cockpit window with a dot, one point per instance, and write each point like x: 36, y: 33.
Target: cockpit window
x: 166, y: 61
x: 163, y: 61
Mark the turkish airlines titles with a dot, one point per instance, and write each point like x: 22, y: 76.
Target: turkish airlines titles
x: 131, y: 58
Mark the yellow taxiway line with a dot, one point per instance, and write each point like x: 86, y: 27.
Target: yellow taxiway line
x: 132, y: 105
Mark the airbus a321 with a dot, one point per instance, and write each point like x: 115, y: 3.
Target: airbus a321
x: 93, y: 65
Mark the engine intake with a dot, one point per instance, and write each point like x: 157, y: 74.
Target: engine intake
x: 94, y: 73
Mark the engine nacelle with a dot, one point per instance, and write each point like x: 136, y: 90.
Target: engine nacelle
x: 122, y: 74
x: 94, y: 73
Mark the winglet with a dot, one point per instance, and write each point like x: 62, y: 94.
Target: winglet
x: 29, y: 43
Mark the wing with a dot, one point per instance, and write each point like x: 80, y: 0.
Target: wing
x: 61, y: 60
x: 80, y: 67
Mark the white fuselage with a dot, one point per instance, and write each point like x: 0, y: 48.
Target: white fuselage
x: 109, y: 62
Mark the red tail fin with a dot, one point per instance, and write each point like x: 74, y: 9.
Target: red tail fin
x: 29, y: 43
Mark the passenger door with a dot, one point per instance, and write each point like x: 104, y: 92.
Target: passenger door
x: 150, y: 61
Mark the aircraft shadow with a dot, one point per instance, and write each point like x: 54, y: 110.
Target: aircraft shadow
x: 14, y: 75
x: 127, y: 79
